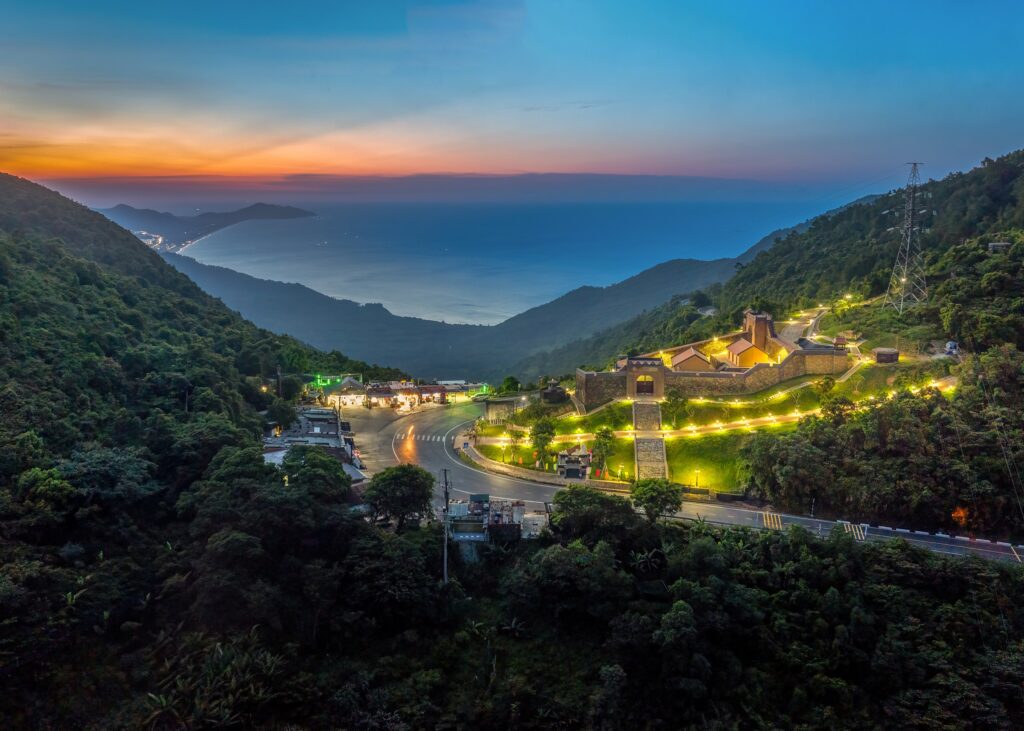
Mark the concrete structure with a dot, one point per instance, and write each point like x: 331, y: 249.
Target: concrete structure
x: 574, y: 464
x: 499, y: 410
x: 999, y: 246
x: 775, y: 360
x: 481, y: 519
x: 886, y: 355
x: 554, y: 394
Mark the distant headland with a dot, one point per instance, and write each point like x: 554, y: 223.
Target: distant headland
x: 168, y: 232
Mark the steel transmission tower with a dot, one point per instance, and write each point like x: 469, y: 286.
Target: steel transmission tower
x: 907, y: 286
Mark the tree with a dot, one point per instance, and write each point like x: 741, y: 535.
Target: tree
x: 291, y: 387
x: 824, y: 386
x: 542, y: 435
x: 400, y: 493
x: 604, y: 445
x: 699, y: 299
x: 587, y: 513
x: 675, y: 405
x: 281, y: 412
x: 514, y: 438
x: 509, y: 385
x: 316, y: 471
x: 46, y: 488
x: 656, y: 497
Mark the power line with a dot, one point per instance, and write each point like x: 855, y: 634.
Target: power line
x: 907, y: 286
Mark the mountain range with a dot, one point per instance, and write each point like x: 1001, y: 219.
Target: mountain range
x: 431, y: 349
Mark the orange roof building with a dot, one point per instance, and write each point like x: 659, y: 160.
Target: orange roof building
x: 691, y: 359
x: 744, y: 354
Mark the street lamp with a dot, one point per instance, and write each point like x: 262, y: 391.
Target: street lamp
x: 696, y: 478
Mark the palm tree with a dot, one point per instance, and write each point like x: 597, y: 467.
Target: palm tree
x: 516, y: 628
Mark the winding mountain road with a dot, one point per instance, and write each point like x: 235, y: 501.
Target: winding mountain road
x: 427, y: 438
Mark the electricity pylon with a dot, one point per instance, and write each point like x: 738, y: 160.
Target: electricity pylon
x: 907, y: 286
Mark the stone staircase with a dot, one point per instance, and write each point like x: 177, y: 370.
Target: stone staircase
x: 649, y: 450
x: 646, y: 415
x: 650, y: 457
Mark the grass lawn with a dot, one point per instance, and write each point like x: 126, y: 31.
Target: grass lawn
x: 622, y: 457
x: 752, y: 406
x: 715, y: 455
x: 873, y: 379
x: 616, y: 416
x: 881, y: 327
x: 490, y: 430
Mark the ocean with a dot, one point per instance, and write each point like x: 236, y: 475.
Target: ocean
x: 482, y: 263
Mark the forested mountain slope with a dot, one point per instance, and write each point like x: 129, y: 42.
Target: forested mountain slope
x: 975, y: 294
x: 156, y: 573
x: 855, y: 249
x: 432, y: 349
x: 105, y: 345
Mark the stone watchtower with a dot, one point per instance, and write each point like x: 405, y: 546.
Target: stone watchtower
x: 759, y: 327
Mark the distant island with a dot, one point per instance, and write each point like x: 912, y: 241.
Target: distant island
x: 167, y: 232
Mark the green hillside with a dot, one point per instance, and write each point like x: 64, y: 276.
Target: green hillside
x: 106, y: 346
x: 975, y: 295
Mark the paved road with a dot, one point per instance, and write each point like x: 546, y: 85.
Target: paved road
x: 427, y: 439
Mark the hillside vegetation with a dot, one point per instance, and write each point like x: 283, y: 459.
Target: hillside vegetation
x: 975, y: 295
x: 105, y: 346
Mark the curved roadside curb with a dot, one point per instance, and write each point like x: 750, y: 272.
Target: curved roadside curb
x: 522, y: 473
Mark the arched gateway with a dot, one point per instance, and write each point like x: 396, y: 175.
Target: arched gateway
x: 644, y: 385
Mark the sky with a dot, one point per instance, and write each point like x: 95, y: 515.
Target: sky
x: 253, y: 94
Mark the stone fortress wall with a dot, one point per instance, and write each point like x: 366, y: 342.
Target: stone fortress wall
x: 594, y: 388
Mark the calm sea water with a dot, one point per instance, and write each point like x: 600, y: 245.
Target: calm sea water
x: 482, y: 263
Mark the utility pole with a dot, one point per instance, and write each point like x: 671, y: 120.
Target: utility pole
x: 279, y: 381
x: 446, y: 485
x: 907, y: 286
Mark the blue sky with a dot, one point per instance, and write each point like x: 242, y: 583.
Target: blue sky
x: 814, y: 93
